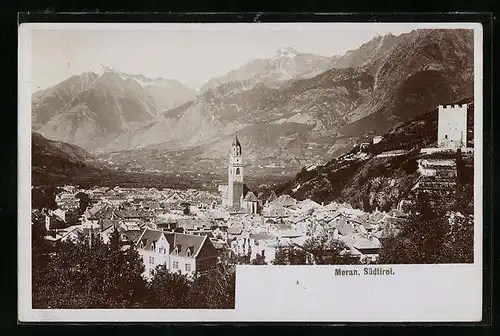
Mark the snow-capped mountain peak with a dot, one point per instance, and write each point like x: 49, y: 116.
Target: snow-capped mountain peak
x: 104, y: 68
x: 286, y: 52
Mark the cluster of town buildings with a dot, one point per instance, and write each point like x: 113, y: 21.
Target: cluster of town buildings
x: 190, y: 236
x: 188, y: 230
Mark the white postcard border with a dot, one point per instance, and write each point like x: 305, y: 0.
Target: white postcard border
x: 416, y: 293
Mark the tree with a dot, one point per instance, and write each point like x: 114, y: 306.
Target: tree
x: 124, y: 270
x: 459, y: 243
x: 324, y: 250
x: 321, y: 250
x: 44, y: 197
x: 89, y: 274
x: 83, y: 203
x: 168, y: 290
x: 429, y: 237
x: 290, y: 255
x: 214, y: 289
x: 259, y: 260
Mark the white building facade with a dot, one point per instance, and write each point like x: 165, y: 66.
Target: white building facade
x: 452, y: 126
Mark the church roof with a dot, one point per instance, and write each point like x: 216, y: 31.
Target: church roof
x: 246, y: 189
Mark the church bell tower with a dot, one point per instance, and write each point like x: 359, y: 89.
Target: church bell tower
x: 235, y: 175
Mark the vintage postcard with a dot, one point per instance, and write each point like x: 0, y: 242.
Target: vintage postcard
x: 250, y: 172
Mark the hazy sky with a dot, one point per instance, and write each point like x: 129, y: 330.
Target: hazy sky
x: 191, y: 53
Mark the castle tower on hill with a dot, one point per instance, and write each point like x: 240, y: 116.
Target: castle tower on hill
x: 452, y: 126
x: 235, y: 175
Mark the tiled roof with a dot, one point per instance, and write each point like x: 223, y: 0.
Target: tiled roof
x: 348, y: 240
x: 193, y: 223
x: 272, y: 196
x: 148, y: 237
x: 180, y: 241
x: 134, y: 214
x: 218, y: 244
x: 397, y: 213
x: 367, y: 225
x: 344, y: 227
x: 106, y: 223
x: 376, y: 216
x: 364, y: 217
x: 331, y: 216
x: 187, y: 242
x: 362, y: 222
x: 308, y: 203
x: 208, y: 233
x: 132, y: 235
x: 217, y: 213
x: 235, y: 230
x: 284, y: 200
x: 250, y: 197
x: 365, y: 244
x: 289, y: 233
x: 174, y: 198
x: 276, y: 212
x: 95, y: 209
x: 261, y: 236
x: 70, y: 230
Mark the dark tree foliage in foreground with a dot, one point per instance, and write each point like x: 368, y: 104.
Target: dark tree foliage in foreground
x: 84, y: 202
x: 88, y: 274
x: 214, y: 289
x: 91, y: 275
x: 259, y: 260
x: 430, y: 237
x: 43, y: 196
x: 316, y: 251
x: 168, y: 290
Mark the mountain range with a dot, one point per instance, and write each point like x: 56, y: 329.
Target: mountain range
x: 368, y: 181
x: 291, y: 110
x: 286, y: 65
x: 91, y: 109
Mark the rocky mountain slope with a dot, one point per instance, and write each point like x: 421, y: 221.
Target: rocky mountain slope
x: 421, y: 70
x: 90, y: 109
x: 56, y: 163
x: 46, y: 103
x: 166, y: 93
x: 366, y: 181
x: 287, y: 64
x: 383, y: 83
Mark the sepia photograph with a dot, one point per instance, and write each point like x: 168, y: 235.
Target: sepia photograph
x: 163, y: 160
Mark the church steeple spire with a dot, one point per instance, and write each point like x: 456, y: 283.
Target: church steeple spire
x: 236, y: 145
x: 236, y: 141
